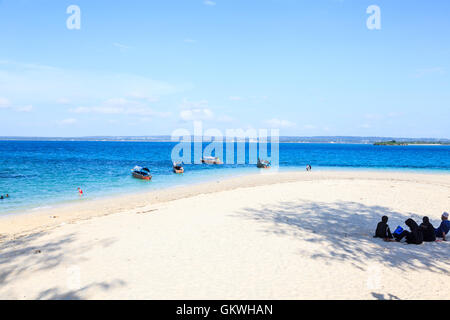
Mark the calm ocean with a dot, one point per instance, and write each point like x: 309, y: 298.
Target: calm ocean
x: 40, y: 174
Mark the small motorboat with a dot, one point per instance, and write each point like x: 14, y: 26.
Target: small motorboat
x: 263, y: 164
x: 141, y: 173
x: 211, y: 160
x: 178, y: 168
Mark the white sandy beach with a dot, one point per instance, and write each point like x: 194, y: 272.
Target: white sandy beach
x: 265, y: 236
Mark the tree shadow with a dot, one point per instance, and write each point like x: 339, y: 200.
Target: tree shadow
x: 381, y: 296
x: 57, y: 294
x: 347, y: 228
x: 18, y: 254
x: 35, y: 253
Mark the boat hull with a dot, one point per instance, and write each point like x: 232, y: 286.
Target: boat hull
x: 211, y: 161
x: 140, y: 176
x: 263, y: 164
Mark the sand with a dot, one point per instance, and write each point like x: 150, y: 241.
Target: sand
x: 290, y: 235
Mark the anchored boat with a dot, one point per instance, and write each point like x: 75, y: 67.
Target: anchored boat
x: 178, y: 168
x: 263, y: 164
x: 211, y: 160
x: 141, y: 173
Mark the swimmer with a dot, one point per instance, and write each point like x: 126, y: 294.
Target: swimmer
x: 80, y: 192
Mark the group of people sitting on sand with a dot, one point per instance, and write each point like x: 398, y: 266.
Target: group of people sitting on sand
x: 4, y: 196
x: 416, y: 234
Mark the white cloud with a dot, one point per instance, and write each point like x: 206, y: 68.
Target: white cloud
x: 394, y: 114
x: 186, y: 104
x: 195, y: 110
x: 372, y: 116
x: 81, y: 110
x: 235, y: 98
x: 27, y: 108
x: 4, y: 103
x: 142, y: 96
x: 188, y: 40
x: 277, y: 123
x: 259, y: 98
x: 199, y: 111
x: 225, y: 119
x: 63, y: 101
x: 209, y: 3
x: 121, y: 106
x: 68, y: 121
x: 196, y: 114
x: 121, y: 46
x: 378, y: 116
x: 46, y: 85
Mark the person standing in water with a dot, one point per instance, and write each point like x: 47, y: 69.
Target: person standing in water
x: 80, y: 192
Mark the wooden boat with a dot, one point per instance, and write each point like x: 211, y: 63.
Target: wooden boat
x: 141, y: 173
x: 211, y: 160
x: 263, y: 164
x: 178, y: 168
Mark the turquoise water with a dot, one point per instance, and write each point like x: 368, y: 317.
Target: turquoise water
x: 39, y: 174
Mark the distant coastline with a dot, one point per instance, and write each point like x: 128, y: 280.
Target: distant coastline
x: 282, y: 139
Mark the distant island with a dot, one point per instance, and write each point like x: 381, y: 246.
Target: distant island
x: 403, y: 143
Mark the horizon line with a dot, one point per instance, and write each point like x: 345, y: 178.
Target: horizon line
x: 168, y: 136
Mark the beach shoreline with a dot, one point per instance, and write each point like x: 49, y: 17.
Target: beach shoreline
x: 277, y: 235
x: 37, y: 219
x: 88, y: 198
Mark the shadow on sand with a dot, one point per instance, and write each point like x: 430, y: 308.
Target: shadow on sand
x: 347, y: 228
x: 381, y: 296
x: 32, y: 253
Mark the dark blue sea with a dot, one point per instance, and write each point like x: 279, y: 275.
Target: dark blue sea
x: 38, y: 174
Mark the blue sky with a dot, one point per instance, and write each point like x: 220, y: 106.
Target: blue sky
x: 149, y: 67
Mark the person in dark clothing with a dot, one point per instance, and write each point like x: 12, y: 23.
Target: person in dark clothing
x: 428, y: 231
x: 415, y: 236
x: 383, y: 230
